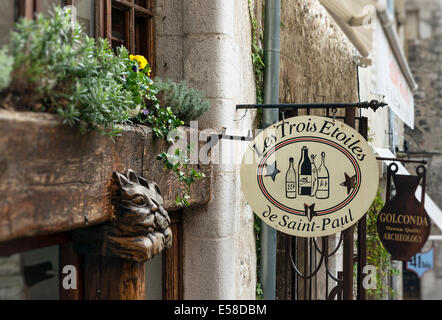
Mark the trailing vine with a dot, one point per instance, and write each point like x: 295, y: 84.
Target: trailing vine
x: 376, y: 253
x: 258, y: 67
x: 163, y: 121
x: 179, y: 163
x: 257, y: 54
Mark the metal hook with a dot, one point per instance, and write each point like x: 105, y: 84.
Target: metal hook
x: 334, y: 110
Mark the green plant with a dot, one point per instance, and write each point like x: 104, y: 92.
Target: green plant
x: 258, y: 67
x: 6, y: 63
x: 187, y: 103
x: 162, y: 120
x: 80, y: 79
x: 87, y: 84
x: 179, y: 163
x: 376, y: 253
x: 257, y: 229
x: 257, y: 54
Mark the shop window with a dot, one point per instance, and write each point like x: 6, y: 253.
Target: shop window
x: 40, y: 270
x: 164, y: 273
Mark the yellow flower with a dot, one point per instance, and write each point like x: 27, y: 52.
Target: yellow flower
x: 142, y: 62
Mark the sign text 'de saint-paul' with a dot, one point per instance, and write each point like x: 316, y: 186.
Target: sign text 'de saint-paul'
x: 309, y: 176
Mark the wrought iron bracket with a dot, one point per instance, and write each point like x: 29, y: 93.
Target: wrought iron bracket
x: 373, y: 104
x: 215, y: 137
x: 403, y: 160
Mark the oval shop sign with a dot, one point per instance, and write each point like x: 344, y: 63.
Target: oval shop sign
x: 309, y: 176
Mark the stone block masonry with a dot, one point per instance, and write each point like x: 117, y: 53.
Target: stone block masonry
x: 211, y: 43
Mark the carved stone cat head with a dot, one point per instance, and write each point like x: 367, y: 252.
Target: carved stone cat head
x: 140, y: 229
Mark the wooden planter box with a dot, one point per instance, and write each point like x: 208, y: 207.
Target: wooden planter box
x: 54, y: 179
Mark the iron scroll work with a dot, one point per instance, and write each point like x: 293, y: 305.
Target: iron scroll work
x: 140, y: 226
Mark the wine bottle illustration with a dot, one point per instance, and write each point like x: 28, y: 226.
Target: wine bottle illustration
x: 314, y: 176
x: 323, y: 191
x: 304, y: 174
x: 290, y: 181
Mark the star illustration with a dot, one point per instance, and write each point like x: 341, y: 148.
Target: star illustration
x: 272, y: 171
x: 310, y: 211
x: 349, y: 182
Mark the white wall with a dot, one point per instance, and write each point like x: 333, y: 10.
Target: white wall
x: 208, y: 44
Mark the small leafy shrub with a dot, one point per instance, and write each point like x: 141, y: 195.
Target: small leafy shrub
x: 57, y: 68
x: 64, y: 71
x: 187, y: 103
x: 162, y: 120
x: 6, y: 63
x: 376, y: 253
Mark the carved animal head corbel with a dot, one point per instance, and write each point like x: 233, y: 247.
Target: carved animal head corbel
x: 139, y: 229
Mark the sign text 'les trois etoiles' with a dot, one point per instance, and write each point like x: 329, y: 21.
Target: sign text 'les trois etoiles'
x: 309, y: 176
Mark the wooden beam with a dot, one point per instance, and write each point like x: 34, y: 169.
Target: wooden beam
x: 54, y: 179
x: 26, y: 244
x: 139, y: 10
x: 99, y: 19
x: 107, y: 20
x: 130, y: 30
x: 110, y: 278
x: 26, y: 9
x: 173, y: 261
x: 67, y: 256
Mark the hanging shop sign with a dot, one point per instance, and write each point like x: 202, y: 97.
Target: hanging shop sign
x: 421, y: 262
x: 309, y: 176
x: 403, y: 224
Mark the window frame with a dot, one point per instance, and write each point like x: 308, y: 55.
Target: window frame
x: 103, y: 22
x: 103, y: 25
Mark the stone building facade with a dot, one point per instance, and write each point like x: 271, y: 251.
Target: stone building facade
x: 424, y: 33
x: 208, y: 44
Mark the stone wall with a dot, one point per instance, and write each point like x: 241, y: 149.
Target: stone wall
x: 316, y: 57
x: 425, y: 57
x: 11, y: 280
x: 425, y: 140
x: 208, y: 44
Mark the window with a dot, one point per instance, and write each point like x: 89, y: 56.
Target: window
x: 122, y: 22
x: 27, y: 8
x: 128, y: 23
